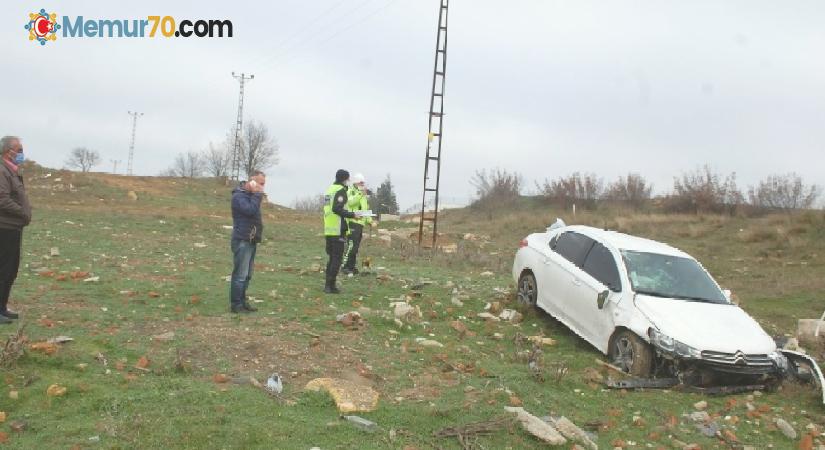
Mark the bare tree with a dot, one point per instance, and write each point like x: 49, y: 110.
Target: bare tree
x: 188, y: 165
x: 786, y: 192
x: 217, y: 159
x: 633, y: 190
x: 84, y: 159
x: 259, y: 150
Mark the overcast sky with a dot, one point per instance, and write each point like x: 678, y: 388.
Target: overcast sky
x: 541, y: 87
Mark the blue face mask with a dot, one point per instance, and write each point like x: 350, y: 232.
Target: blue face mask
x: 19, y: 158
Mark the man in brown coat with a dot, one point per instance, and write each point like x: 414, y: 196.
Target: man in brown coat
x: 15, y: 213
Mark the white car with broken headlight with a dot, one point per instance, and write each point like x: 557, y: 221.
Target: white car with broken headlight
x: 652, y: 308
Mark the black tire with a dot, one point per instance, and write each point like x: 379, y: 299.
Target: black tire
x: 527, y: 292
x: 631, y: 354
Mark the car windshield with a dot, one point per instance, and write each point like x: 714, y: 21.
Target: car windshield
x: 670, y: 277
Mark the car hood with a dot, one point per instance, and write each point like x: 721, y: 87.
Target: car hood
x: 706, y: 326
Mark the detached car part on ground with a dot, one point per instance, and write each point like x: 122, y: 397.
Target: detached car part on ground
x: 651, y: 308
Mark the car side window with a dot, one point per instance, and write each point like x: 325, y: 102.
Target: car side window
x: 573, y: 247
x: 601, y: 265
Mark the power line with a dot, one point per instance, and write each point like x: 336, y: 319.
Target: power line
x: 236, y: 151
x: 135, y: 116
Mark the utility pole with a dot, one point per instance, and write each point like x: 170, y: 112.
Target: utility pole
x: 236, y: 151
x: 114, y: 162
x: 135, y: 116
x: 436, y: 129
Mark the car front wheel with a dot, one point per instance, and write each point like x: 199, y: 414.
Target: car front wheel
x: 631, y: 354
x: 527, y: 289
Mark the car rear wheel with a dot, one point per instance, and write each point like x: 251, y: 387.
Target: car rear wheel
x: 631, y: 354
x: 527, y: 290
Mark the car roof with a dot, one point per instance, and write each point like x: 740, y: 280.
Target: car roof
x: 622, y: 241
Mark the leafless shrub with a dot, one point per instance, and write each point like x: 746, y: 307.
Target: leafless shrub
x: 84, y: 159
x: 783, y: 192
x: 311, y: 203
x: 496, y: 186
x: 582, y: 189
x: 632, y: 190
x: 704, y: 191
x: 13, y: 349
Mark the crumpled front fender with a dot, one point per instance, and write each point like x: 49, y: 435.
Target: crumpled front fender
x: 796, y: 356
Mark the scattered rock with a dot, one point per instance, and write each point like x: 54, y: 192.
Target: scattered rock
x: 541, y: 340
x: 402, y: 310
x: 54, y: 251
x: 486, y: 274
x: 537, y: 427
x: 459, y: 327
x: 164, y: 337
x: 348, y: 396
x: 455, y: 301
x: 592, y: 375
x: 700, y: 416
x: 487, y: 316
x: 701, y: 406
x: 18, y: 426
x: 430, y: 343
x: 569, y: 430
x: 511, y: 315
x: 2, y: 416
x: 494, y: 308
x: 351, y: 319
x: 785, y: 428
x: 132, y: 196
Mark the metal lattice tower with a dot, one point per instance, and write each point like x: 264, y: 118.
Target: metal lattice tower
x: 432, y: 162
x: 135, y: 116
x: 236, y: 150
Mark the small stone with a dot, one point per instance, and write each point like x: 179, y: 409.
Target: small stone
x: 18, y: 426
x: 701, y: 406
x: 700, y: 416
x: 164, y: 337
x: 430, y: 343
x: 785, y: 428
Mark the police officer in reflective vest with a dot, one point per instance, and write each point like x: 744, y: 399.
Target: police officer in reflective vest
x: 335, y: 227
x: 356, y: 201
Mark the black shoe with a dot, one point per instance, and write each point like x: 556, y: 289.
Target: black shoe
x: 331, y: 290
x: 249, y: 307
x: 10, y: 314
x: 5, y: 320
x: 239, y: 310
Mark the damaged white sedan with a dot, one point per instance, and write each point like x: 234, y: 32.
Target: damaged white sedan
x: 653, y: 309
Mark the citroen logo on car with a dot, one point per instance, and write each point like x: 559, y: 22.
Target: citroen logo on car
x: 739, y: 358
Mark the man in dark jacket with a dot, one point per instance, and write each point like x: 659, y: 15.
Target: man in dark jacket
x: 247, y: 229
x: 335, y: 227
x: 15, y: 213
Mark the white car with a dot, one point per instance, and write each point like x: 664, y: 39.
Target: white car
x: 653, y: 309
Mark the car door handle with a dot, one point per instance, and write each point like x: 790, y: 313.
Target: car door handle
x: 548, y: 261
x: 576, y: 281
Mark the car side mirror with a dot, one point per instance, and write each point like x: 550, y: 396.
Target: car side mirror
x: 601, y: 299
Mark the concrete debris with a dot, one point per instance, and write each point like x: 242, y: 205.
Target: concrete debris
x: 785, y: 428
x: 511, y: 315
x: 537, y: 427
x: 429, y: 343
x: 487, y: 316
x: 349, y: 396
x: 701, y: 406
x: 54, y: 251
x: 361, y: 423
x: 541, y: 340
x: 569, y: 430
x: 164, y: 337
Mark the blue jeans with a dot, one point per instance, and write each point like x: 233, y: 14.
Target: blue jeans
x: 244, y: 261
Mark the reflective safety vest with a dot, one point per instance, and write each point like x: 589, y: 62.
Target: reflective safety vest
x: 357, y: 201
x: 332, y: 221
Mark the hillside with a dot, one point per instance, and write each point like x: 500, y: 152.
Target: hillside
x: 139, y: 283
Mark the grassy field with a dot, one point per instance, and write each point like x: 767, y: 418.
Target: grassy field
x: 153, y: 339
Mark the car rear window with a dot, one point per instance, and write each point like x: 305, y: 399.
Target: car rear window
x: 573, y: 247
x: 601, y: 265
